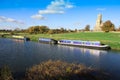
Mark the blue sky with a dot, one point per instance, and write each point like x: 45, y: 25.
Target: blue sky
x: 69, y: 14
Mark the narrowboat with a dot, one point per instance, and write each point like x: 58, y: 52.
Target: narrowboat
x: 47, y: 40
x: 21, y: 37
x: 85, y: 44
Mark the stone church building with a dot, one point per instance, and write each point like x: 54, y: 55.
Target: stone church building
x: 98, y: 23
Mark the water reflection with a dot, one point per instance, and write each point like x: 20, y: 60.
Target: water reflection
x: 18, y: 40
x: 89, y: 57
x: 20, y: 55
x: 107, y: 61
x: 94, y: 52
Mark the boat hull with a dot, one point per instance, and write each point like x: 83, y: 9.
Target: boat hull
x: 48, y: 41
x: 85, y: 44
x: 90, y: 47
x: 21, y: 38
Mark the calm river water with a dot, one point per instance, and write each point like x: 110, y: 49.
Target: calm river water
x: 19, y: 55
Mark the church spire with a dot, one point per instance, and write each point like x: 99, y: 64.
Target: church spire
x: 98, y: 23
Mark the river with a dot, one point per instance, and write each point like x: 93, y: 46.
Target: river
x: 20, y: 55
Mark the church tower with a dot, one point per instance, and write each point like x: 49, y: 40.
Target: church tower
x: 98, y: 23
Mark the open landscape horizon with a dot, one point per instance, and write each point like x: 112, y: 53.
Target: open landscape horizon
x: 70, y: 14
x: 59, y: 40
x: 112, y: 38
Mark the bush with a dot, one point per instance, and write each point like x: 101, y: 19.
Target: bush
x: 58, y: 70
x: 5, y: 73
x: 106, y: 31
x: 12, y: 33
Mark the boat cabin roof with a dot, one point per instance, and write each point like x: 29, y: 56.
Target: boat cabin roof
x: 45, y: 39
x: 82, y: 41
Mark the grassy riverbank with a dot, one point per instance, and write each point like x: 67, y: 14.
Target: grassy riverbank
x: 111, y: 38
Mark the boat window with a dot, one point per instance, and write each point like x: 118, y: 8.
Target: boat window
x: 76, y: 42
x: 68, y: 41
x: 87, y: 43
x: 97, y: 43
x: 61, y: 41
x: 43, y: 39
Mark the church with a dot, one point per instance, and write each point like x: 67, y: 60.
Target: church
x: 98, y: 23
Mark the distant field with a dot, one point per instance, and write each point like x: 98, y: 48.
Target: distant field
x: 112, y: 39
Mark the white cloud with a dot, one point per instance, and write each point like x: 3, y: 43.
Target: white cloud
x: 69, y: 6
x: 38, y: 16
x: 5, y: 19
x: 2, y: 19
x: 50, y: 12
x: 55, y: 7
x: 101, y: 9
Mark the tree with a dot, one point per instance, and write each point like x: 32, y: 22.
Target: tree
x: 62, y: 30
x: 108, y: 26
x: 38, y: 29
x: 75, y: 30
x: 31, y: 30
x: 87, y: 28
x: 51, y: 31
x: 43, y: 29
x: 118, y: 29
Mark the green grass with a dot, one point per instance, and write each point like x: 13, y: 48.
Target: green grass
x: 111, y: 38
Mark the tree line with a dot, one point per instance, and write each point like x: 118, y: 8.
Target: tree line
x: 46, y: 30
x: 106, y: 27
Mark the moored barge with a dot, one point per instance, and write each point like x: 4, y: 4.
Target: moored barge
x: 21, y: 37
x: 85, y: 44
x: 48, y: 40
